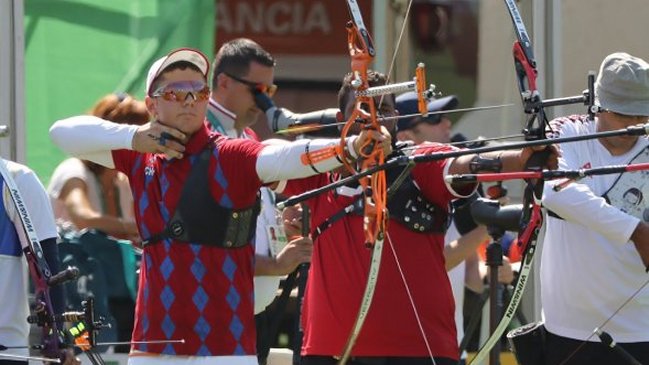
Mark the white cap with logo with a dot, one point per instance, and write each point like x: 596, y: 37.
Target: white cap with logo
x: 193, y: 56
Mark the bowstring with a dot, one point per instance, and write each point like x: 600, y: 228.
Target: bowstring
x: 411, y: 299
x: 396, y: 49
x: 390, y: 244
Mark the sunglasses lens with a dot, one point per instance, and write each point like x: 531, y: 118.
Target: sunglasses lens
x: 178, y: 91
x: 268, y: 90
x: 434, y: 119
x: 271, y: 90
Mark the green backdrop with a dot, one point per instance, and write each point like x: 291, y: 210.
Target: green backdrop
x: 77, y: 51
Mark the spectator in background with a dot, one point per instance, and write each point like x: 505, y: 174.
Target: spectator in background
x: 241, y: 68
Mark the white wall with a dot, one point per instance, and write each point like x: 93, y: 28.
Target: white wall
x: 12, y: 113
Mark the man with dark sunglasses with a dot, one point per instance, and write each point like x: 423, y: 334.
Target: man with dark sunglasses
x: 241, y: 69
x: 196, y: 204
x: 419, y: 129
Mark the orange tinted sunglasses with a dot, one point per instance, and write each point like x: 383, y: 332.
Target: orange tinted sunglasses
x: 255, y: 86
x: 178, y: 91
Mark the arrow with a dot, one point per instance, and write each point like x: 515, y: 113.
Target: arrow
x: 306, y: 128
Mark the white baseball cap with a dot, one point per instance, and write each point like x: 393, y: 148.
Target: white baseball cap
x: 193, y: 56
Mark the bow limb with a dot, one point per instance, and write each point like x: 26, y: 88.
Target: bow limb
x: 366, y: 302
x: 527, y: 239
x: 526, y: 73
x: 374, y: 184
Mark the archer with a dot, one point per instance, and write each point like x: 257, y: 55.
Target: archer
x: 596, y: 247
x: 412, y: 272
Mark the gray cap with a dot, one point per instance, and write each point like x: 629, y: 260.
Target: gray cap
x: 622, y: 85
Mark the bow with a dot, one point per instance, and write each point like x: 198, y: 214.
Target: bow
x: 532, y: 219
x: 373, y: 186
x: 55, y: 345
x: 361, y: 51
x: 52, y: 346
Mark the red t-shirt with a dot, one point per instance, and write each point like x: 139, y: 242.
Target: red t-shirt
x: 339, y: 270
x: 202, y: 294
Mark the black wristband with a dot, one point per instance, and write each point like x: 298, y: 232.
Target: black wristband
x: 306, y: 151
x: 482, y: 164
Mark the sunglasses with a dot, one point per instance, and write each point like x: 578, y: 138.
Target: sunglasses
x: 255, y: 87
x: 433, y: 118
x: 178, y: 91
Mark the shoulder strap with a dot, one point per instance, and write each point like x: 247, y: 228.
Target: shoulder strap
x: 198, y: 170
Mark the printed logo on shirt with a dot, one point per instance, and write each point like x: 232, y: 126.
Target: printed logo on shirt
x: 149, y: 170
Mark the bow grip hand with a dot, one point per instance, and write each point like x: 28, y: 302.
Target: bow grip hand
x: 540, y: 157
x: 364, y: 145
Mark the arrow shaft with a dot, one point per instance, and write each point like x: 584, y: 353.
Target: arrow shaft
x: 139, y: 342
x: 29, y: 358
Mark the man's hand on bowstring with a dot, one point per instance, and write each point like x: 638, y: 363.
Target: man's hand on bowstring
x: 297, y: 251
x: 154, y: 137
x: 540, y: 157
x: 368, y: 137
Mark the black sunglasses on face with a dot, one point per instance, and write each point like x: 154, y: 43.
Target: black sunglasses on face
x: 255, y: 86
x: 431, y: 119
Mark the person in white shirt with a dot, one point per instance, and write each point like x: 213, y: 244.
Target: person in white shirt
x: 14, y: 282
x: 239, y: 66
x: 594, y: 254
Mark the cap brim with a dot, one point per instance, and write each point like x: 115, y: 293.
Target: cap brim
x: 441, y: 104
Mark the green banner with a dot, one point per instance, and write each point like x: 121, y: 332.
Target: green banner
x: 77, y: 51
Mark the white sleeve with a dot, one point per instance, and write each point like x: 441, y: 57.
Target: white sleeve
x: 578, y: 204
x: 278, y: 162
x: 36, y: 201
x: 91, y: 138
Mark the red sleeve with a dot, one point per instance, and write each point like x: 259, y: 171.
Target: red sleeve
x: 238, y: 160
x: 299, y: 186
x: 429, y: 176
x: 123, y: 160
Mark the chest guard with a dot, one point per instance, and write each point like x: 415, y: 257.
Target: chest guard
x: 407, y: 205
x: 630, y: 192
x: 199, y: 219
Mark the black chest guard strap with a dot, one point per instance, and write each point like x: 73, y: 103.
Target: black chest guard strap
x: 405, y: 204
x: 198, y: 219
x: 409, y: 207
